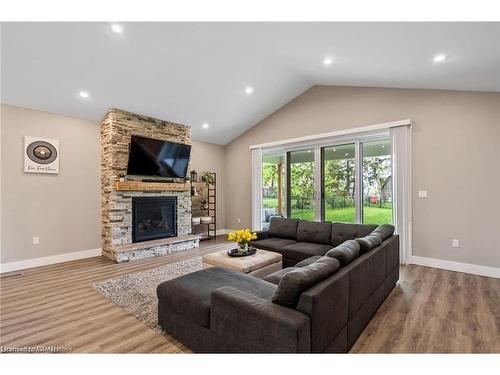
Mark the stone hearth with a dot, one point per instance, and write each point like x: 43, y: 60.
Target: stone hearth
x: 117, y: 245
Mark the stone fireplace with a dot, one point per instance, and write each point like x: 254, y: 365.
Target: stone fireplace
x: 141, y: 219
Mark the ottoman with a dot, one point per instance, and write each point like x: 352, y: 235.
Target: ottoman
x: 260, y: 264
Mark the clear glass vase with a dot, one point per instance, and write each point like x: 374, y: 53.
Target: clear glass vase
x: 243, y: 249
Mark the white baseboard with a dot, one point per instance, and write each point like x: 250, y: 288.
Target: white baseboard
x: 44, y: 261
x: 474, y: 269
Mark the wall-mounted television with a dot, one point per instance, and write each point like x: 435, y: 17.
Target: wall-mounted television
x: 156, y: 158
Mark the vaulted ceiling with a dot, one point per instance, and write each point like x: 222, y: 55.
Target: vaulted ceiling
x: 198, y: 73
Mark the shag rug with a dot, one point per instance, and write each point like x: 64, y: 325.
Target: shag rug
x: 136, y: 293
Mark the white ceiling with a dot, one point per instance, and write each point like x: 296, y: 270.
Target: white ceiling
x: 193, y: 73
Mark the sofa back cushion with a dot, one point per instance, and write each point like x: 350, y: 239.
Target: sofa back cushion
x: 283, y: 228
x: 312, y: 231
x: 342, y: 232
x: 293, y: 283
x: 384, y: 231
x: 345, y: 253
x: 368, y: 242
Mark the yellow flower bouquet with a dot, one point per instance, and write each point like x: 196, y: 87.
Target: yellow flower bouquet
x: 242, y: 237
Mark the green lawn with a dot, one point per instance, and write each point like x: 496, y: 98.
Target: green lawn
x: 372, y: 214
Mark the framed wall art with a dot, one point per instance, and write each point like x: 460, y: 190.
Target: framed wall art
x: 41, y: 155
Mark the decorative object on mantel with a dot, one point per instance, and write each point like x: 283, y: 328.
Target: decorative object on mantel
x: 122, y: 176
x: 41, y: 155
x: 194, y: 176
x: 242, y: 237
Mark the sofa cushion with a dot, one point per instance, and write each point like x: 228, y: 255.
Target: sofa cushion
x: 308, y: 261
x: 273, y: 244
x: 283, y: 228
x: 345, y: 253
x: 293, y: 283
x: 368, y: 242
x: 190, y: 295
x: 275, y: 277
x: 313, y: 231
x: 303, y: 250
x: 384, y: 231
x: 342, y: 232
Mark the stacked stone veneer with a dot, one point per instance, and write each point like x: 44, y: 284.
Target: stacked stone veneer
x: 116, y: 130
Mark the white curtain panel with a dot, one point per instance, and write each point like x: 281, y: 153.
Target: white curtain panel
x: 402, y: 188
x: 256, y: 189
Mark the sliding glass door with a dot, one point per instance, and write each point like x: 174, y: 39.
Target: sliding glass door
x: 349, y: 182
x: 301, y: 175
x: 273, y: 187
x: 377, y: 182
x: 338, y: 183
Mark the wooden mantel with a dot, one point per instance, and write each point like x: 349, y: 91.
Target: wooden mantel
x: 152, y: 186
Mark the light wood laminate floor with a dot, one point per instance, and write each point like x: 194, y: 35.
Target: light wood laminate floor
x: 429, y: 311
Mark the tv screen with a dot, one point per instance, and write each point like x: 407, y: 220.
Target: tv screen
x: 152, y: 157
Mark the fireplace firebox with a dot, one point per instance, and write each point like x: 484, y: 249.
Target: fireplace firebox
x: 153, y: 218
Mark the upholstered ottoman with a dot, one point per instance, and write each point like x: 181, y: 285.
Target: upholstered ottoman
x: 260, y: 264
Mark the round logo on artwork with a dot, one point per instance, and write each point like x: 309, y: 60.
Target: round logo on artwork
x: 41, y: 152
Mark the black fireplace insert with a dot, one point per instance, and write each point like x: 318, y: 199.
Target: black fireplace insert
x: 153, y: 218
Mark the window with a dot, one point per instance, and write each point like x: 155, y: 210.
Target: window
x: 292, y: 186
x: 377, y: 182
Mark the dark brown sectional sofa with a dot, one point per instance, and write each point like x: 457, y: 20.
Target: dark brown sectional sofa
x: 320, y: 302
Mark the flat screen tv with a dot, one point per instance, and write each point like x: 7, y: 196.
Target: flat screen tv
x: 156, y: 158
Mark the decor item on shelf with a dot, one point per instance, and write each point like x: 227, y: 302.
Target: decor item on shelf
x: 208, y: 177
x: 194, y: 192
x: 41, y: 155
x: 205, y: 219
x: 194, y: 176
x: 242, y: 237
x: 203, y: 204
x: 195, y: 220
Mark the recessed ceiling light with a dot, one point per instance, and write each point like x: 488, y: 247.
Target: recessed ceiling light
x: 346, y: 154
x: 116, y: 28
x: 440, y: 58
x: 205, y: 126
x: 84, y: 94
x: 249, y: 90
x: 327, y: 61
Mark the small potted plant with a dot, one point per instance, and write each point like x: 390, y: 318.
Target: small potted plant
x: 242, y: 237
x: 207, y: 177
x: 121, y: 176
